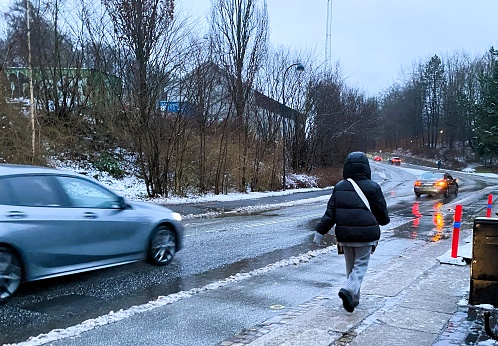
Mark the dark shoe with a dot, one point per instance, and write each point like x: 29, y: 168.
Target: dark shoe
x: 347, y: 300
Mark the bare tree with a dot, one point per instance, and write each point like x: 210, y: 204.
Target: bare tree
x: 435, y: 108
x: 239, y: 31
x: 57, y: 65
x: 151, y: 45
x: 267, y: 122
x: 461, y: 95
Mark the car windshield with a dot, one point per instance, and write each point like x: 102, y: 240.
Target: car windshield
x: 431, y: 175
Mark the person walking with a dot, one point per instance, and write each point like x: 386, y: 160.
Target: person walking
x: 439, y: 165
x: 356, y: 227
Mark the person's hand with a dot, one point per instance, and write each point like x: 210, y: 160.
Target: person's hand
x: 317, y: 239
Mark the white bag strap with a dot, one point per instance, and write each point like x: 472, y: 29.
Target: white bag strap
x: 360, y: 193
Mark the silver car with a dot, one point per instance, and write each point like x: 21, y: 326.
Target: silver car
x: 55, y: 223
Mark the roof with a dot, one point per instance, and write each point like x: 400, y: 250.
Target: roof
x: 274, y: 106
x: 8, y: 169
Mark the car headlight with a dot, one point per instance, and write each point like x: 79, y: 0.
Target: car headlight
x: 176, y: 216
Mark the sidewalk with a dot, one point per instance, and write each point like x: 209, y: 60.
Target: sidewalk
x: 408, y: 299
x: 414, y: 300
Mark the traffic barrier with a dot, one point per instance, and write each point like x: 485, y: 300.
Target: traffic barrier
x: 456, y: 230
x: 490, y: 203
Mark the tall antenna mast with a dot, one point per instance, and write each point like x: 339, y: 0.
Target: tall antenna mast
x: 328, y: 35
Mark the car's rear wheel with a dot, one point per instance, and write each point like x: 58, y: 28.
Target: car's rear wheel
x: 456, y: 191
x: 10, y: 274
x: 162, y: 246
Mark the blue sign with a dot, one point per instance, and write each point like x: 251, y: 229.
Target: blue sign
x: 175, y: 107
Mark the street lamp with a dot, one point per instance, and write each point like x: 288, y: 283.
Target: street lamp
x: 299, y: 67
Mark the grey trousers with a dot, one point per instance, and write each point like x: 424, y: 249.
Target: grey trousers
x: 357, y: 259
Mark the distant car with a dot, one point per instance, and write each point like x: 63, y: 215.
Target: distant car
x: 55, y: 223
x: 377, y: 158
x: 395, y: 160
x: 434, y: 183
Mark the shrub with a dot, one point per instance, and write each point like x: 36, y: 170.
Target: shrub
x: 327, y: 176
x: 108, y: 163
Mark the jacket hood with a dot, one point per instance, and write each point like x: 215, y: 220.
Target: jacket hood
x: 356, y: 166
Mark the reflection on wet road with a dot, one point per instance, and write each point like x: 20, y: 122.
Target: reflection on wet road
x: 429, y: 221
x: 438, y: 221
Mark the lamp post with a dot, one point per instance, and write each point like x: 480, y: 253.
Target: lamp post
x: 299, y: 67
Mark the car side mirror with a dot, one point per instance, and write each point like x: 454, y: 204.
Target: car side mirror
x: 121, y: 203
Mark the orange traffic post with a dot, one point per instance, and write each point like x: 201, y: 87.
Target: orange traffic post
x: 456, y: 231
x: 490, y: 203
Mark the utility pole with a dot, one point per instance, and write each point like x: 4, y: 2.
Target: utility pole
x: 31, y: 89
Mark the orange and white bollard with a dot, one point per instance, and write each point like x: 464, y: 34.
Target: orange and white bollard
x: 456, y: 231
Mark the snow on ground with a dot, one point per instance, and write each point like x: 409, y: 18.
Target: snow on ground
x: 134, y: 188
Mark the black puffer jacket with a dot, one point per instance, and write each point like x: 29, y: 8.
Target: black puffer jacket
x: 345, y: 209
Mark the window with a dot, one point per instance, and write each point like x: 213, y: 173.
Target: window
x: 85, y: 194
x: 5, y: 193
x: 35, y: 191
x: 431, y: 175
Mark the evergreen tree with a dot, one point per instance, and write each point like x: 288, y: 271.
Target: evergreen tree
x: 487, y: 113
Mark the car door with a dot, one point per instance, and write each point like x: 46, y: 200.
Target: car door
x: 105, y: 230
x: 35, y: 222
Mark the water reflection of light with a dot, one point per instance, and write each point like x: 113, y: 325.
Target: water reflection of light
x: 416, y: 220
x: 438, y: 221
x: 416, y: 212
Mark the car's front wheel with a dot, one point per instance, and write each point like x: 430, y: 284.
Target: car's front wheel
x: 10, y: 274
x: 162, y: 246
x: 447, y: 193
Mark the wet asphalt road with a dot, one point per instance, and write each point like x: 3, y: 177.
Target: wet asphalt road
x: 216, y: 248
x: 221, y: 207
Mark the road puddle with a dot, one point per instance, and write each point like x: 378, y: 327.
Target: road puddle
x: 430, y: 222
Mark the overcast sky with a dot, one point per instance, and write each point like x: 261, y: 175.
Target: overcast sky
x: 374, y: 39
